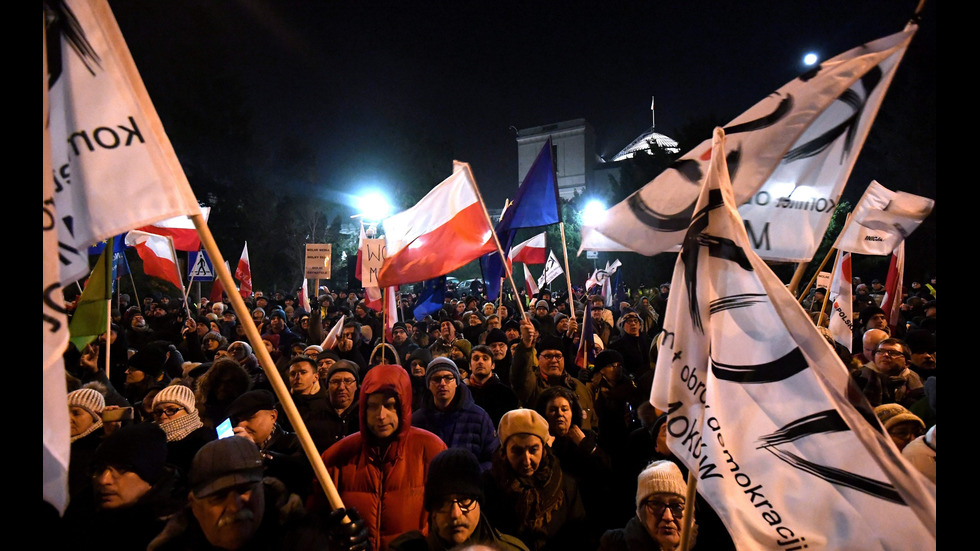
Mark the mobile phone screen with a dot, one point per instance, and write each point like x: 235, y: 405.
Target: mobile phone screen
x: 224, y: 429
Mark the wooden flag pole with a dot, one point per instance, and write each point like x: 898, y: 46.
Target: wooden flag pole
x: 265, y: 360
x: 568, y: 274
x: 180, y: 277
x: 500, y: 250
x: 688, y: 521
x: 826, y: 296
x: 797, y: 276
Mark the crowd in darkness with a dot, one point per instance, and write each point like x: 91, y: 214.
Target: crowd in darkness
x: 473, y: 425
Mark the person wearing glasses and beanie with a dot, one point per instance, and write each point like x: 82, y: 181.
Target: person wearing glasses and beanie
x: 659, y: 512
x: 453, y: 498
x: 175, y: 411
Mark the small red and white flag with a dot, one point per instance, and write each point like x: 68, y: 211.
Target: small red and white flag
x: 303, y: 297
x: 244, y: 274
x: 181, y: 229
x: 532, y: 251
x: 330, y: 341
x: 446, y: 229
x: 530, y: 285
x: 159, y: 258
x: 892, y: 301
x: 217, y: 288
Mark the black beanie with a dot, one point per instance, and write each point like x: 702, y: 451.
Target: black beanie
x: 140, y: 448
x: 607, y: 357
x: 495, y: 335
x: 149, y: 360
x: 453, y: 471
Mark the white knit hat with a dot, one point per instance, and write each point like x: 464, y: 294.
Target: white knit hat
x: 89, y: 399
x: 660, y: 477
x: 177, y: 394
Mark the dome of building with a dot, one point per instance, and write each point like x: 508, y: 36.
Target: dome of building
x: 644, y: 142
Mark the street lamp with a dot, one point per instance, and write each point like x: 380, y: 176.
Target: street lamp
x: 373, y: 206
x: 593, y: 213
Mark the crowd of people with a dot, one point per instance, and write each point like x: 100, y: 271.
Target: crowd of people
x: 472, y: 425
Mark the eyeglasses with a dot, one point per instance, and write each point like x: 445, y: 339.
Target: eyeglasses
x: 554, y: 356
x: 342, y: 382
x: 658, y: 508
x: 631, y: 318
x: 466, y: 504
x: 169, y: 412
x: 444, y: 379
x: 890, y: 353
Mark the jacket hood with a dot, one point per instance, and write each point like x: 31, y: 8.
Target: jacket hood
x: 387, y: 377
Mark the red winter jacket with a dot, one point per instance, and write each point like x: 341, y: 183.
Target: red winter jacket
x: 386, y: 490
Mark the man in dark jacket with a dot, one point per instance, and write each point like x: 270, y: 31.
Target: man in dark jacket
x: 633, y: 344
x: 449, y: 412
x: 231, y: 507
x: 488, y: 391
x: 452, y: 498
x: 254, y: 417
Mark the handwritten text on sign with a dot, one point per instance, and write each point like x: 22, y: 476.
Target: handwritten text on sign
x: 372, y: 257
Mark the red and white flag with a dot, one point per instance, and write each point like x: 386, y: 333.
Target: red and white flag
x: 217, y: 288
x: 532, y: 251
x: 758, y: 406
x: 446, y: 229
x: 882, y: 219
x: 159, y: 257
x: 303, y: 297
x: 330, y: 341
x: 839, y: 294
x: 530, y: 285
x: 181, y: 229
x: 244, y: 274
x: 892, y: 301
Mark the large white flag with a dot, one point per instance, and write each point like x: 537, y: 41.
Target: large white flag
x: 113, y: 166
x: 108, y: 167
x: 839, y: 294
x: 790, y: 156
x: 758, y: 404
x: 882, y: 219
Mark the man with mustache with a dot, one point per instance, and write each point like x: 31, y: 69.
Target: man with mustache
x: 230, y: 506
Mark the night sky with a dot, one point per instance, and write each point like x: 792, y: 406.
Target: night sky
x: 367, y: 85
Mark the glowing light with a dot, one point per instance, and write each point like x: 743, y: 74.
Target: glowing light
x: 374, y: 206
x: 594, y: 213
x: 810, y: 58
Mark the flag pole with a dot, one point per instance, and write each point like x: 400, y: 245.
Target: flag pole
x: 826, y: 296
x: 180, y: 276
x: 797, y: 276
x: 822, y: 264
x: 110, y: 269
x: 265, y: 360
x: 568, y: 274
x: 500, y: 250
x: 688, y: 521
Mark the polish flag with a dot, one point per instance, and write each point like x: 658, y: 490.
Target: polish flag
x: 244, y: 274
x: 892, y: 301
x: 217, y: 288
x: 529, y: 284
x: 330, y: 341
x: 181, y: 229
x: 446, y: 229
x: 159, y: 259
x: 303, y: 297
x: 532, y: 251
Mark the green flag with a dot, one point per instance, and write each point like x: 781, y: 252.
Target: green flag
x: 89, y: 320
